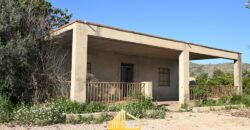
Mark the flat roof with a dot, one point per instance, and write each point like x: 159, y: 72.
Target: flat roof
x: 149, y: 35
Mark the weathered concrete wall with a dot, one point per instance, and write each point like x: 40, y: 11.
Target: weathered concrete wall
x: 105, y: 65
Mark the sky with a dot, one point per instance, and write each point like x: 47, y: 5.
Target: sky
x: 217, y: 23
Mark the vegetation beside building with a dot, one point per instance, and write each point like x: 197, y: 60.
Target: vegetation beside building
x: 223, y: 80
x: 54, y: 111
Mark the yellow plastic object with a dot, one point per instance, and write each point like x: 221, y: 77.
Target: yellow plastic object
x: 119, y: 122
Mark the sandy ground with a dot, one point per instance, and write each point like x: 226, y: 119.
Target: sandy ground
x: 220, y: 120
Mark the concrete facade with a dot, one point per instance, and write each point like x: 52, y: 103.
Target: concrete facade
x: 238, y: 75
x: 184, y: 76
x: 79, y: 65
x: 106, y: 67
x: 146, y: 52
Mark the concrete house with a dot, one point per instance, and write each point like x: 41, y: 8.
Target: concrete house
x: 155, y: 66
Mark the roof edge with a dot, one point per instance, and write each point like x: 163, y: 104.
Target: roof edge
x: 149, y: 35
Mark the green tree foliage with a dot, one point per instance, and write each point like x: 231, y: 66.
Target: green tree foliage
x: 201, y: 79
x: 248, y: 4
x: 246, y: 82
x: 201, y: 89
x: 24, y: 25
x: 221, y: 78
x: 203, y: 82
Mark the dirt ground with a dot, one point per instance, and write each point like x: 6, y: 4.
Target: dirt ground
x: 216, y: 120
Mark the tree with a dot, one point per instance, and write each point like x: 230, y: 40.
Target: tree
x: 246, y: 82
x: 248, y: 4
x: 25, y: 27
x: 221, y: 78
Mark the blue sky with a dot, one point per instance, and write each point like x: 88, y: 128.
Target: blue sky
x: 217, y: 23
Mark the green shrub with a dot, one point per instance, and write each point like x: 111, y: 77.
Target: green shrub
x: 68, y: 106
x: 200, y: 92
x: 102, y: 118
x: 5, y: 109
x: 224, y: 100
x: 95, y: 107
x: 90, y: 119
x: 38, y: 115
x: 155, y: 114
x: 236, y: 99
x: 134, y: 109
x: 76, y: 120
x: 246, y: 100
x: 145, y: 103
x: 52, y: 112
x: 209, y: 102
x: 246, y: 85
x: 139, y: 106
x: 227, y: 100
x: 115, y: 107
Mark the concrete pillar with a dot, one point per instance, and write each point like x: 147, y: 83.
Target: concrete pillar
x: 238, y: 75
x: 79, y: 65
x: 148, y: 89
x: 184, y: 76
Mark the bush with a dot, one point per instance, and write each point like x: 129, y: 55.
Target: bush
x: 224, y: 100
x: 236, y: 99
x: 139, y: 106
x: 200, y: 92
x: 156, y: 114
x: 246, y: 100
x: 5, y: 109
x: 90, y: 119
x: 68, y: 106
x: 95, y: 107
x: 134, y: 109
x: 52, y: 112
x: 102, y: 118
x: 115, y: 107
x: 246, y: 85
x: 227, y: 100
x: 38, y: 115
x: 209, y: 102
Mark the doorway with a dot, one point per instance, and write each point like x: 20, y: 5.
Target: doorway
x: 127, y: 72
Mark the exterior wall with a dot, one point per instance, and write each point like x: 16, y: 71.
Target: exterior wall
x: 106, y: 67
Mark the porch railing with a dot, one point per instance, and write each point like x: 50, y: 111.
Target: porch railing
x: 215, y: 91
x: 110, y: 92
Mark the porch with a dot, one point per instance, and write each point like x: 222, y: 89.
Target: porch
x: 106, y: 61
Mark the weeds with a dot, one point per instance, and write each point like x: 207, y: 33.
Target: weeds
x: 5, y: 109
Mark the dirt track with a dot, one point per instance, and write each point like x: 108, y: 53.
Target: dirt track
x: 221, y: 120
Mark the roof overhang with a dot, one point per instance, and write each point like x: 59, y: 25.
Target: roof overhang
x: 99, y: 32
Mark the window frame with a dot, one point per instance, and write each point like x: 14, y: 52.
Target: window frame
x: 164, y: 77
